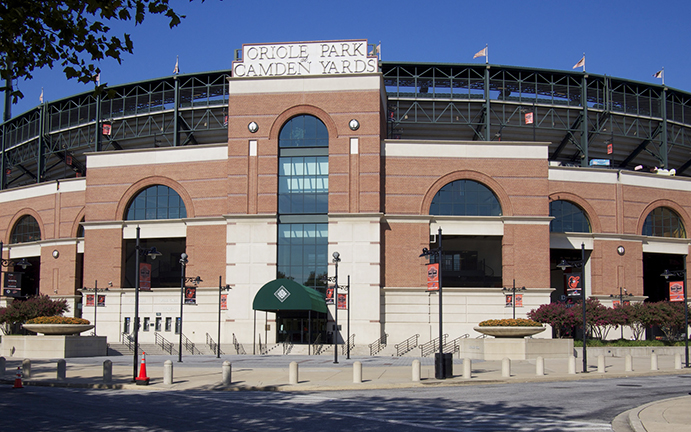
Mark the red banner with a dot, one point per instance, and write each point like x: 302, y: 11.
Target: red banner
x: 224, y: 301
x: 433, y: 277
x: 329, y: 295
x: 89, y: 299
x: 529, y: 118
x: 676, y: 291
x: 342, y: 301
x: 144, y: 277
x: 519, y: 300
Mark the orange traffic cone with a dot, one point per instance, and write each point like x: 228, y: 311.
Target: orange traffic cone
x: 18, y: 379
x: 143, y: 379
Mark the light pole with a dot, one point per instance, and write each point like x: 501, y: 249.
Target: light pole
x: 622, y: 293
x: 682, y: 273
x: 513, y: 295
x: 138, y: 251
x: 439, y: 367
x: 95, y: 290
x: 348, y: 306
x: 563, y: 265
x: 220, y: 288
x: 336, y: 259
x: 183, y: 279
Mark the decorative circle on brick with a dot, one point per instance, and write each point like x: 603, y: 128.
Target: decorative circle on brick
x: 354, y: 125
x: 253, y: 127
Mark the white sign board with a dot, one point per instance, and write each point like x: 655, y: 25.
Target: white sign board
x: 305, y: 59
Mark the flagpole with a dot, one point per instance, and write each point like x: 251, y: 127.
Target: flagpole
x: 486, y: 57
x: 583, y: 61
x: 663, y: 75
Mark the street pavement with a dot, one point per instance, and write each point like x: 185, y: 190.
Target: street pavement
x: 320, y: 373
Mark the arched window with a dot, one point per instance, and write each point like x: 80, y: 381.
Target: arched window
x: 465, y: 198
x: 303, y: 131
x: 663, y: 222
x: 156, y: 202
x: 568, y: 217
x: 26, y: 230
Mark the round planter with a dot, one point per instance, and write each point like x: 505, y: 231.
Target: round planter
x: 58, y: 329
x: 509, y: 332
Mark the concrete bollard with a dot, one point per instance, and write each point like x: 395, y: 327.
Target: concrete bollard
x: 416, y: 370
x: 539, y: 366
x: 467, y: 368
x: 168, y: 372
x: 653, y: 362
x: 62, y: 369
x: 2, y: 366
x: 628, y: 363
x: 293, y: 373
x: 572, y: 365
x: 357, y: 372
x: 227, y: 370
x: 26, y: 368
x: 505, y: 367
x: 601, y: 364
x: 107, y: 371
x: 677, y: 361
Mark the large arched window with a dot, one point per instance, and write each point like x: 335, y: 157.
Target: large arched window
x: 568, y: 217
x: 663, y: 222
x: 303, y: 201
x: 156, y: 202
x: 465, y: 198
x: 26, y: 230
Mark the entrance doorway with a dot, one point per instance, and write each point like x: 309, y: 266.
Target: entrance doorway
x: 294, y: 326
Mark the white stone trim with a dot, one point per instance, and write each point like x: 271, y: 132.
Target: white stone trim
x: 465, y: 149
x: 43, y: 189
x: 331, y: 83
x: 200, y: 153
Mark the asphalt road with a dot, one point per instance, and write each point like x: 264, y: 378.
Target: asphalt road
x: 587, y: 405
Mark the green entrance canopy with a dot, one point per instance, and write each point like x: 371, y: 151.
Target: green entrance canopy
x: 285, y: 294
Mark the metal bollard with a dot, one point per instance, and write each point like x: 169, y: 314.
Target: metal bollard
x: 168, y: 372
x: 357, y: 372
x: 293, y: 373
x: 628, y: 363
x: 539, y: 366
x: 107, y: 371
x: 227, y: 369
x: 601, y: 363
x: 26, y: 368
x: 416, y: 370
x: 62, y: 369
x: 677, y: 361
x: 506, y: 367
x: 2, y: 366
x: 467, y: 368
x: 653, y: 362
x: 572, y: 365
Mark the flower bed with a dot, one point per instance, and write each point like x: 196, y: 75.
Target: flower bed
x: 57, y: 320
x: 510, y: 322
x: 58, y: 325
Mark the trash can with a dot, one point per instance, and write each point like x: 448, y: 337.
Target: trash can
x: 443, y: 366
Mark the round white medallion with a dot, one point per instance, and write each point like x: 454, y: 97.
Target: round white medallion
x: 253, y: 127
x: 621, y: 250
x: 354, y: 125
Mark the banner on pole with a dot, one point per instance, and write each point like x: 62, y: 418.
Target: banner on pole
x: 329, y: 295
x: 191, y: 295
x: 433, y: 277
x: 573, y: 285
x: 676, y: 291
x: 144, y: 277
x: 224, y: 301
x: 342, y: 301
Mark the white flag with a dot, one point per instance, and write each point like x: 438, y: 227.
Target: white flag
x: 658, y: 74
x: 581, y: 63
x: 40, y: 98
x: 98, y: 79
x: 177, y: 62
x: 481, y: 53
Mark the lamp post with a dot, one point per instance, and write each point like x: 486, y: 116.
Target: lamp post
x: 183, y: 279
x: 336, y: 259
x: 348, y: 315
x: 95, y: 290
x: 439, y: 369
x: 563, y: 265
x: 682, y: 273
x: 622, y: 293
x: 513, y: 295
x: 220, y: 288
x: 138, y: 252
x: 23, y: 263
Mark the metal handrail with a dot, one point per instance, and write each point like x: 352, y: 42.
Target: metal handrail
x: 239, y: 349
x: 128, y: 340
x: 378, y: 345
x: 406, y: 345
x: 350, y: 344
x: 213, y: 345
x: 317, y: 346
x: 454, y: 345
x: 166, y: 346
x: 263, y: 349
x: 287, y: 347
x: 428, y: 348
x: 189, y: 345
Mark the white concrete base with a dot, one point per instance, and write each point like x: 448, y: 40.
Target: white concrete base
x: 52, y: 347
x: 515, y: 348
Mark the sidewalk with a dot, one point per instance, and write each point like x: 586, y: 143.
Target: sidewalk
x: 319, y: 373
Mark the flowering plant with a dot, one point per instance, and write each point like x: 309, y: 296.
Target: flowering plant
x: 57, y: 320
x: 510, y: 322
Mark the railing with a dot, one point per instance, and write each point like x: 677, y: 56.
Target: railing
x: 213, y: 345
x: 428, y: 348
x: 239, y: 349
x: 454, y: 345
x: 189, y: 346
x: 317, y: 346
x: 378, y: 345
x: 166, y: 346
x: 263, y: 349
x: 406, y: 345
x: 287, y: 347
x: 128, y: 340
x: 350, y: 344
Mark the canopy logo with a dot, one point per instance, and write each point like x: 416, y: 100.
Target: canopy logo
x: 282, y: 294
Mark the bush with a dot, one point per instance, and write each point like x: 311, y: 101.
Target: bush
x: 57, y: 320
x: 20, y: 311
x: 558, y: 315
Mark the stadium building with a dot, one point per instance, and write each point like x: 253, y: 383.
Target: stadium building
x: 261, y: 173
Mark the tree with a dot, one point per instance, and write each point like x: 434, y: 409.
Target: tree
x: 20, y: 311
x: 73, y: 33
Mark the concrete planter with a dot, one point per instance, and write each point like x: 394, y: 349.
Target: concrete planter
x: 509, y: 332
x: 58, y: 329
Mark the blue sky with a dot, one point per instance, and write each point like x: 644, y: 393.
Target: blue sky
x: 627, y: 39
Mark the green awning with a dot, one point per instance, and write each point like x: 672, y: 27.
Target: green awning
x: 285, y: 294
